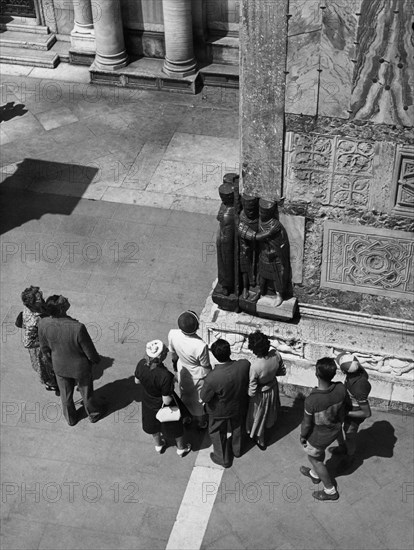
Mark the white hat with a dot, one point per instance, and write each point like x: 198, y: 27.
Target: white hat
x: 154, y: 348
x: 347, y: 362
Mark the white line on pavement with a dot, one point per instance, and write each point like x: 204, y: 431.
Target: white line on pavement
x: 197, y: 504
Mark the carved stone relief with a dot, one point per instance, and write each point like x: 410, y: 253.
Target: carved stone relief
x: 366, y: 259
x: 403, y: 182
x: 339, y: 171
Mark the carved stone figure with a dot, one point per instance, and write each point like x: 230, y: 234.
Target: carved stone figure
x: 225, y: 240
x: 274, y: 256
x: 248, y: 227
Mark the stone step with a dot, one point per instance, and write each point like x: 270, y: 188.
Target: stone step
x: 222, y: 75
x: 22, y: 24
x: 18, y: 39
x: 224, y: 49
x: 24, y: 56
x: 62, y: 49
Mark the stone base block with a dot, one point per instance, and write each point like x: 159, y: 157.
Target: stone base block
x: 228, y: 303
x: 81, y: 42
x: 216, y: 74
x: 144, y: 73
x: 286, y: 311
x: 381, y: 345
x: 81, y: 57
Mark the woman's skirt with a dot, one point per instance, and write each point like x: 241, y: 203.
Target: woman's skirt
x: 262, y: 413
x: 43, y: 367
x: 190, y: 389
x: 151, y: 425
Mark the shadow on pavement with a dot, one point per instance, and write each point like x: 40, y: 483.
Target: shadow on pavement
x: 377, y: 440
x: 117, y: 395
x: 289, y: 419
x: 25, y: 190
x: 99, y: 369
x: 11, y: 110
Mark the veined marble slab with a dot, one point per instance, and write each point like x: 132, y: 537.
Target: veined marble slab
x: 305, y: 16
x: 302, y: 80
x: 383, y: 86
x: 337, y: 49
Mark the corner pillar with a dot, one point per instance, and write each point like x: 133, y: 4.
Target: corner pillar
x: 178, y: 32
x: 109, y: 35
x: 263, y: 46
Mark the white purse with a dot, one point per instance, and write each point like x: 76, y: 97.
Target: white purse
x: 168, y: 413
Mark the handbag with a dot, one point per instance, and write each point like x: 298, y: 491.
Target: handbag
x: 168, y: 413
x: 19, y: 320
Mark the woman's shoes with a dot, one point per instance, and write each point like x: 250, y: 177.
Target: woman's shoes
x: 161, y: 448
x: 184, y: 452
x: 261, y: 447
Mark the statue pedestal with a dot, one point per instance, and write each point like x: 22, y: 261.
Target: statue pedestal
x: 228, y: 303
x: 265, y: 307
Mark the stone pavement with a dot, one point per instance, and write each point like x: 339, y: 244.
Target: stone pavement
x: 129, y: 270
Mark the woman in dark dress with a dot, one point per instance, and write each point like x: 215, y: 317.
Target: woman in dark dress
x: 158, y: 385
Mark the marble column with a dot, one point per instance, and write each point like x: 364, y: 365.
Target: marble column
x: 82, y: 37
x: 109, y: 35
x: 178, y: 32
x: 83, y: 23
x: 263, y: 45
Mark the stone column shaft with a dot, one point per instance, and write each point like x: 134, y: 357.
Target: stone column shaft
x: 263, y: 46
x: 109, y: 35
x: 82, y: 17
x: 178, y: 32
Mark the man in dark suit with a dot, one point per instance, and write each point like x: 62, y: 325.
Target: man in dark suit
x: 225, y: 394
x: 67, y: 342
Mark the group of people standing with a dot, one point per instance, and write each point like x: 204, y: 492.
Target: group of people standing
x: 233, y: 398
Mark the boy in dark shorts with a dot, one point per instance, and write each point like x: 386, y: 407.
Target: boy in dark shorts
x: 321, y: 425
x: 358, y: 388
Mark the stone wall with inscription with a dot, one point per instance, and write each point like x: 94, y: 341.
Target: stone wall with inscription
x: 349, y: 152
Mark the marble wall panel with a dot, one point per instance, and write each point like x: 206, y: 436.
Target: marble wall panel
x: 302, y: 77
x: 383, y: 81
x: 64, y: 16
x: 304, y: 16
x: 339, y: 171
x: 402, y: 193
x: 337, y: 49
x: 368, y: 259
x: 143, y: 14
x: 295, y: 228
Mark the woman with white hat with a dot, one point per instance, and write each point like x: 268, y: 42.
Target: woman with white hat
x: 191, y: 360
x: 158, y: 389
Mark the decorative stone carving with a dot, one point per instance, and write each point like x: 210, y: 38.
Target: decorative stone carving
x: 403, y: 182
x: 367, y: 259
x: 339, y: 171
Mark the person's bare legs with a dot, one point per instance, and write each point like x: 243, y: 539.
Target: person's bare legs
x: 319, y: 468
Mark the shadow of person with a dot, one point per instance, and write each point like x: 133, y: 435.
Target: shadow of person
x: 11, y: 110
x: 115, y: 396
x: 288, y: 420
x: 104, y: 363
x: 377, y: 440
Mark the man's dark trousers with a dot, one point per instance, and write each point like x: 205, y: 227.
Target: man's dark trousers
x: 225, y: 448
x: 67, y: 387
